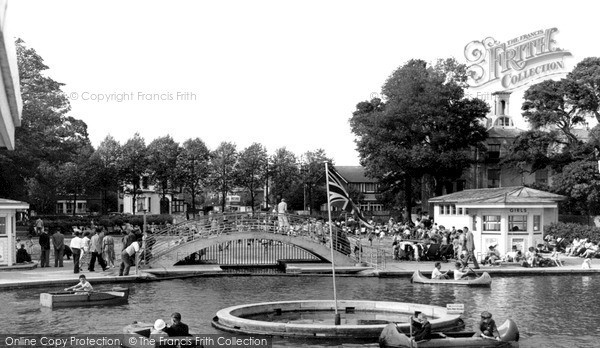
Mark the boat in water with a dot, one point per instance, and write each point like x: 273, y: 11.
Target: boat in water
x: 115, y: 296
x: 391, y: 337
x: 483, y: 280
x: 137, y: 335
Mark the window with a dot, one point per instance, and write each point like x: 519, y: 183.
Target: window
x: 376, y: 207
x: 517, y: 222
x: 460, y: 211
x: 69, y: 208
x: 474, y: 224
x: 453, y: 209
x: 537, y: 220
x: 3, y: 225
x: 149, y: 204
x: 177, y: 206
x: 503, y: 122
x: 370, y: 187
x: 59, y: 208
x: 493, y: 178
x: 493, y: 151
x: 491, y: 222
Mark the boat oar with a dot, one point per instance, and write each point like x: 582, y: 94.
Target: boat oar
x: 476, y: 274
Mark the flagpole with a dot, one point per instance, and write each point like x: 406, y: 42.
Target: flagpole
x: 337, y: 315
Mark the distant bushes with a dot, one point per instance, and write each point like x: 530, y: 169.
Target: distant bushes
x: 64, y: 223
x: 572, y: 230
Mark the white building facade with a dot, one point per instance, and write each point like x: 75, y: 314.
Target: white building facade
x: 499, y: 216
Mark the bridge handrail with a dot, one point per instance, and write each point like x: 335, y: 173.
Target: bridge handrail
x: 165, y: 240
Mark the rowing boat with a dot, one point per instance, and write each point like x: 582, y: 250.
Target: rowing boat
x: 483, y: 280
x: 115, y: 296
x: 137, y: 335
x: 509, y: 337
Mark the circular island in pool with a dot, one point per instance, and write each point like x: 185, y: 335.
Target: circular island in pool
x: 358, y: 319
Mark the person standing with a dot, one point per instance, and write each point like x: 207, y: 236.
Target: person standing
x: 108, y: 250
x: 76, y: 247
x: 128, y: 257
x: 58, y: 240
x: 470, y: 245
x: 96, y: 250
x: 45, y: 249
x: 39, y: 226
x: 281, y: 215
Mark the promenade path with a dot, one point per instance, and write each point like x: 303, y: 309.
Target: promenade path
x: 30, y: 275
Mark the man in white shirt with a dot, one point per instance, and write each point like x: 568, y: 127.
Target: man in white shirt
x: 128, y: 257
x: 282, y: 218
x: 83, y: 285
x: 76, y: 250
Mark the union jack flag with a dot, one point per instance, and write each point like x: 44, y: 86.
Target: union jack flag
x: 339, y: 197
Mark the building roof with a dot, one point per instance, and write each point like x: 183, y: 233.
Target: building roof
x: 501, y: 195
x: 501, y: 132
x: 354, y: 174
x: 10, y: 204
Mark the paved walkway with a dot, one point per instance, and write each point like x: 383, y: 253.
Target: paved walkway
x: 29, y: 275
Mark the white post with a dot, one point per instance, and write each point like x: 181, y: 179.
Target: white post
x: 337, y: 315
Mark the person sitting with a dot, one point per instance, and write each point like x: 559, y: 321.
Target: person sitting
x: 492, y: 255
x: 514, y: 255
x: 459, y: 271
x: 421, y: 327
x: 531, y: 257
x: 554, y: 257
x: 487, y: 327
x: 587, y: 264
x: 22, y: 255
x: 157, y: 331
x: 83, y: 285
x: 177, y: 328
x: 591, y: 251
x: 437, y: 274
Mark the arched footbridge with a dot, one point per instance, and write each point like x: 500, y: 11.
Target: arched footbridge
x: 239, y: 237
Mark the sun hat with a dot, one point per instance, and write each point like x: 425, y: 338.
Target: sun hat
x: 159, y: 324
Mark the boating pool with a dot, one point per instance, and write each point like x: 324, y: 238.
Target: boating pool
x: 551, y: 311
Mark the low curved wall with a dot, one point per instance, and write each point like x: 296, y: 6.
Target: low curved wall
x: 232, y: 318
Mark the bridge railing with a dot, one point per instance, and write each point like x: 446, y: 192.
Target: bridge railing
x: 163, y: 241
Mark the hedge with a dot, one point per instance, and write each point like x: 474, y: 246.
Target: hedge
x: 569, y: 231
x: 64, y: 223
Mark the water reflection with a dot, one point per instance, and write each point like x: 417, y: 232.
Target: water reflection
x: 548, y: 310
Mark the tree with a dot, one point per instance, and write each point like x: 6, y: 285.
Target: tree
x: 47, y: 135
x: 132, y: 165
x: 312, y: 171
x: 162, y: 156
x: 104, y: 172
x: 222, y: 169
x: 283, y: 172
x: 193, y: 167
x: 586, y: 77
x: 424, y: 128
x: 580, y: 181
x: 43, y: 188
x: 74, y: 175
x: 252, y: 169
x: 551, y: 104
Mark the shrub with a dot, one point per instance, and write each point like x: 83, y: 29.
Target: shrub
x: 569, y: 231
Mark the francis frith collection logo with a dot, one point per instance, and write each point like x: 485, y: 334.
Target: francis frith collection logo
x: 516, y: 62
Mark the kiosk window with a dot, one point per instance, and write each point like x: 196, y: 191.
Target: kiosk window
x: 491, y: 222
x: 2, y: 225
x: 537, y: 220
x: 517, y: 222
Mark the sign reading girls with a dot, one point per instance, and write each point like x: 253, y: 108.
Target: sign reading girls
x: 517, y: 62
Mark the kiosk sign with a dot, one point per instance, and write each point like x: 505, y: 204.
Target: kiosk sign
x: 516, y: 62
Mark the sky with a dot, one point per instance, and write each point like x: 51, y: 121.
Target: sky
x: 281, y: 73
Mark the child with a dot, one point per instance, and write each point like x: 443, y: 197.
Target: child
x: 587, y: 264
x: 554, y: 257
